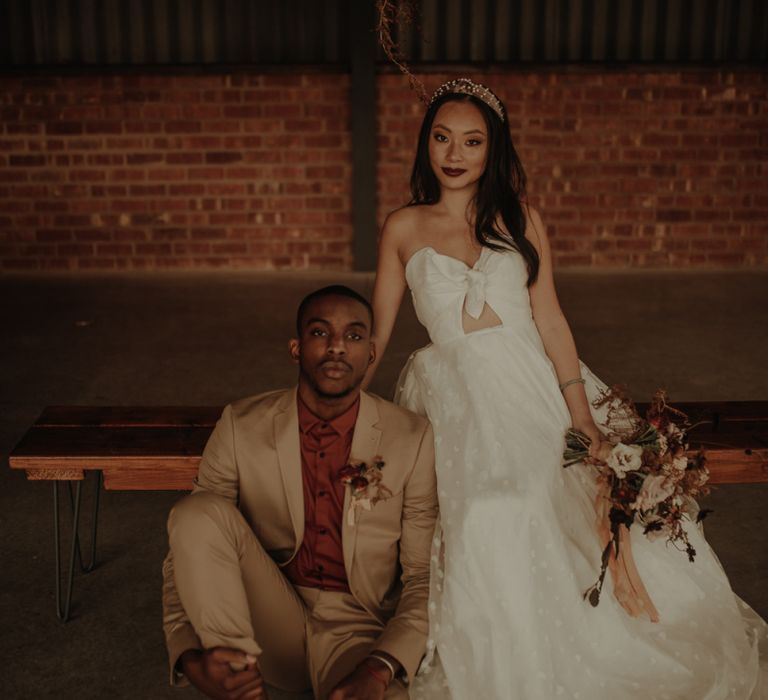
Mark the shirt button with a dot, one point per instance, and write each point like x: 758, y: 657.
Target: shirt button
x: 322, y: 493
x: 320, y: 567
x: 322, y: 454
x: 323, y: 531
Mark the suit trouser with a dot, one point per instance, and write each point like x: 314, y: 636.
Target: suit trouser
x: 236, y: 596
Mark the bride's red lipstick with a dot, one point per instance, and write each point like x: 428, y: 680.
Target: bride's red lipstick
x: 453, y: 172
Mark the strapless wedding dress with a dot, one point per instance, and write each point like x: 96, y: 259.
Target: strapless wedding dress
x: 519, y: 545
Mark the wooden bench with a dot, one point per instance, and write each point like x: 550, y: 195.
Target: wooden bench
x: 134, y: 447
x: 159, y: 447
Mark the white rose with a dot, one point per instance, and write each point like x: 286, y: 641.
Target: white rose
x: 625, y: 458
x: 663, y: 444
x: 654, y: 490
x: 674, y: 432
x: 680, y: 464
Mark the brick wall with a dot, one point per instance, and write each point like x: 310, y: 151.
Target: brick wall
x: 651, y: 168
x: 175, y: 172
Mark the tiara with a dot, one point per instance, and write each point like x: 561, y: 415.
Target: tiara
x: 465, y: 86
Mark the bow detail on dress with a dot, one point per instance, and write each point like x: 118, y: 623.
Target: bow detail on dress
x: 475, y: 300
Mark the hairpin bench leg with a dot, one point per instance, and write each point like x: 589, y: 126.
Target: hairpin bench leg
x: 86, y: 568
x: 63, y: 607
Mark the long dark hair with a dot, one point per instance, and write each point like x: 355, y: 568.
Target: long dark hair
x: 500, y: 190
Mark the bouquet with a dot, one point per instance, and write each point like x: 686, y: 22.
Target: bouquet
x: 647, y: 476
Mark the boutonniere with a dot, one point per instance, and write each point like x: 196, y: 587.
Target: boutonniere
x: 364, y: 480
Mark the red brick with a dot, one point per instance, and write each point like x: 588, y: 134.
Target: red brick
x: 19, y: 263
x: 201, y: 111
x: 78, y: 250
x: 49, y: 206
x: 669, y: 215
x: 251, y: 111
x: 166, y: 174
x: 208, y: 233
x: 186, y: 189
x: 91, y: 235
x: 223, y: 157
x: 97, y: 263
x: 283, y: 111
x: 67, y: 128
x: 228, y: 219
x: 23, y: 128
x: 184, y: 158
x: 144, y: 158
x: 224, y: 126
x: 182, y: 127
x: 103, y: 127
x: 77, y: 175
x: 114, y: 249
x: 161, y: 249
x: 12, y: 144
x: 26, y: 161
x: 147, y: 190
x: 168, y: 234
x: 126, y: 143
x: 53, y: 235
x: 320, y: 172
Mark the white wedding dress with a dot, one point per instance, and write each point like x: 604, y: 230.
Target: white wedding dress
x: 519, y: 545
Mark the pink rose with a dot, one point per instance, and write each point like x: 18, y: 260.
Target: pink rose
x: 654, y: 490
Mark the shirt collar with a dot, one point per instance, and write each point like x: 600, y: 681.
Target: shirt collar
x: 342, y: 424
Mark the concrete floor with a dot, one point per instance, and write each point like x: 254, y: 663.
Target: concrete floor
x: 211, y: 338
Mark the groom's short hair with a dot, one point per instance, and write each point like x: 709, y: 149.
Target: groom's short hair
x: 333, y: 290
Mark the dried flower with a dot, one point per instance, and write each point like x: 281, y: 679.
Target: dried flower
x: 365, y: 483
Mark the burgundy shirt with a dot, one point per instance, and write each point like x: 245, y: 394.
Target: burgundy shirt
x: 325, y: 448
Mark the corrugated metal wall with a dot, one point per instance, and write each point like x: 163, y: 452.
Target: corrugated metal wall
x: 168, y: 32
x: 678, y: 31
x: 163, y: 32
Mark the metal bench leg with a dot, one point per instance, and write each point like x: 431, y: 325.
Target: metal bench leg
x: 86, y: 568
x: 63, y: 610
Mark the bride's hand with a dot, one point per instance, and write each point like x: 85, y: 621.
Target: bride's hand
x: 599, y: 447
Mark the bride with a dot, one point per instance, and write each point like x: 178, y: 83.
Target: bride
x: 501, y: 382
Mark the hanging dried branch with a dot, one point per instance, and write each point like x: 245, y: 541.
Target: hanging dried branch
x: 390, y: 13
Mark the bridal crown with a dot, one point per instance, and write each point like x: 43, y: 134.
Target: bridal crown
x: 465, y: 86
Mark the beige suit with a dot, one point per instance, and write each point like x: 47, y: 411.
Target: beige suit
x: 248, y: 505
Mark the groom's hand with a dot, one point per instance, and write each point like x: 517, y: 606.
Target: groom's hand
x: 211, y: 672
x: 361, y: 684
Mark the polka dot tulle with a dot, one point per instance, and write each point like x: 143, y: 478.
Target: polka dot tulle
x: 517, y: 546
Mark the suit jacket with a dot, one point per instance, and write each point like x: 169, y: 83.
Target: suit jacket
x: 253, y: 458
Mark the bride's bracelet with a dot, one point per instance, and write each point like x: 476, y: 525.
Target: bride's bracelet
x: 578, y: 380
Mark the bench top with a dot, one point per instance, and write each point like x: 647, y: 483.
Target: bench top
x: 159, y: 447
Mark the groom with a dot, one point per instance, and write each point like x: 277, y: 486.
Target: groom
x: 279, y: 569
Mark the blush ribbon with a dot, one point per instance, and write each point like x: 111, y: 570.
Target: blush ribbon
x: 628, y: 587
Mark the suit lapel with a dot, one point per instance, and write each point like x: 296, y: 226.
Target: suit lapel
x: 365, y: 446
x: 286, y: 431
